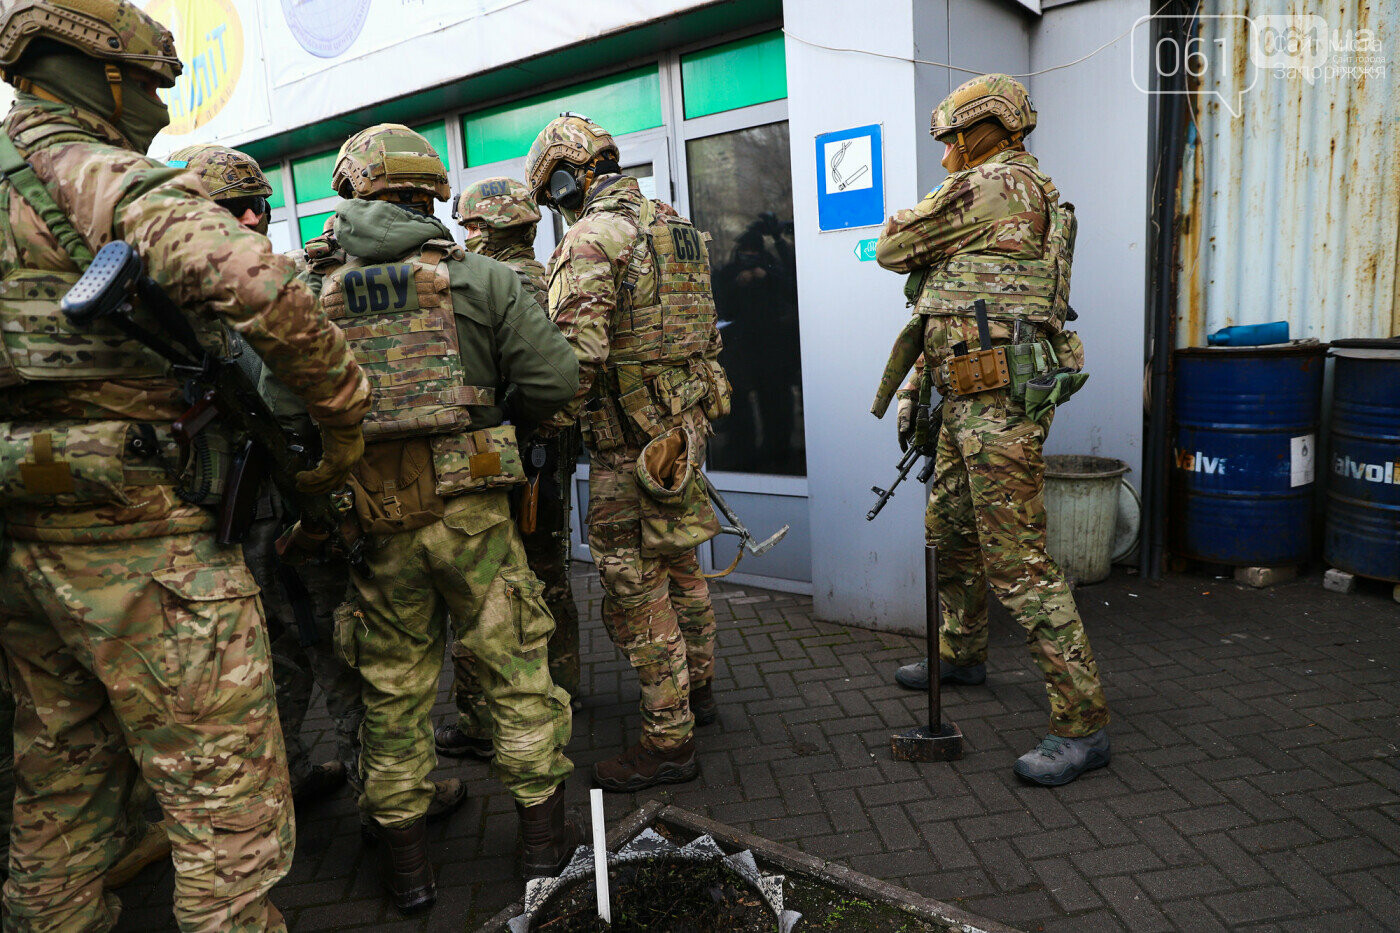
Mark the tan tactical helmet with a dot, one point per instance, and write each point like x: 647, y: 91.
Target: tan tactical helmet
x: 996, y: 96
x: 500, y: 203
x: 225, y: 173
x: 569, y: 137
x: 389, y: 157
x: 108, y: 30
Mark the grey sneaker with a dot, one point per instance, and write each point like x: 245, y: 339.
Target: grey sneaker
x: 915, y: 676
x: 1058, y: 760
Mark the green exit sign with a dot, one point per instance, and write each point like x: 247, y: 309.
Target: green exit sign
x: 865, y: 250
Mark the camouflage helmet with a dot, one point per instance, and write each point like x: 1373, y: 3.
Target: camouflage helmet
x: 108, y: 30
x: 389, y: 157
x: 501, y: 203
x: 569, y: 137
x: 225, y: 173
x: 997, y: 97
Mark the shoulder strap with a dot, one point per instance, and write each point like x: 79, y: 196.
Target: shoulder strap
x: 15, y: 170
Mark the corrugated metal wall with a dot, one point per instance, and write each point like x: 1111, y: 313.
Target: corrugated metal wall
x: 1291, y: 210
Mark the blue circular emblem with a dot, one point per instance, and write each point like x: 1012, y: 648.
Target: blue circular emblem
x: 325, y: 28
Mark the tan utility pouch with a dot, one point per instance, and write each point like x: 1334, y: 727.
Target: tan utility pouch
x: 979, y: 371
x: 73, y: 464
x: 601, y: 425
x: 477, y: 461
x: 394, y: 486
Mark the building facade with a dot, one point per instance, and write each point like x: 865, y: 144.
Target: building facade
x: 724, y: 108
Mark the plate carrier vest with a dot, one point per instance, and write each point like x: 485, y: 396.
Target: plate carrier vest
x: 1035, y: 290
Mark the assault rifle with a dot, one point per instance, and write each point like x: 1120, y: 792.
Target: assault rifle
x: 927, y: 421
x: 220, y: 389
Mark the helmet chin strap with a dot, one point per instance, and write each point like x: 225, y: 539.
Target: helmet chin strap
x: 114, y: 78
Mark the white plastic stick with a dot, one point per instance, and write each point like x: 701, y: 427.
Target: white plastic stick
x: 600, y: 857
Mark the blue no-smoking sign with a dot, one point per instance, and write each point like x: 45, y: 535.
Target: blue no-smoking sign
x: 850, y: 178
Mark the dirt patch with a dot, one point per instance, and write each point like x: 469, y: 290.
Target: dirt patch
x: 825, y: 908
x: 662, y: 894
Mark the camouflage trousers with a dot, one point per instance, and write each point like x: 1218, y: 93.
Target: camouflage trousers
x: 656, y: 608
x: 471, y: 564
x: 298, y: 668
x: 547, y: 552
x: 141, y: 659
x: 986, y: 516
x: 136, y: 803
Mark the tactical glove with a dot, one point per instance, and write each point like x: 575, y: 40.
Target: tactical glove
x: 904, y: 422
x: 341, y: 449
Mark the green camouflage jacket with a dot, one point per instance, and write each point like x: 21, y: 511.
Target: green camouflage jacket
x: 991, y: 209
x: 505, y: 337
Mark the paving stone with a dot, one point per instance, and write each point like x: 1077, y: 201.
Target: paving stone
x: 1255, y: 782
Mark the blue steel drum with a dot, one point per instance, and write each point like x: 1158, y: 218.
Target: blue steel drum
x: 1244, y: 454
x: 1363, y: 476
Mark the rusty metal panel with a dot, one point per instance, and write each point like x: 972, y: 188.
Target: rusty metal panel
x: 1290, y: 210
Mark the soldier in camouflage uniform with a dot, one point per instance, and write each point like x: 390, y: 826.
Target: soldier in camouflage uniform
x: 630, y: 288
x: 133, y: 641
x: 302, y: 656
x: 995, y: 230
x: 499, y: 217
x: 443, y: 333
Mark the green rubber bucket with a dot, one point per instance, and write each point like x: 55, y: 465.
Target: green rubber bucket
x: 1081, y: 509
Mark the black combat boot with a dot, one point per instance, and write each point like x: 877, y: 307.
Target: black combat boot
x: 407, y: 870
x: 549, y: 837
x: 702, y: 704
x: 450, y: 740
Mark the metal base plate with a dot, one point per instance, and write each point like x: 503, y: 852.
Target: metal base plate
x: 923, y: 744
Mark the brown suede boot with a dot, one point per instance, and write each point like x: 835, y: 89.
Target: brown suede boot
x: 548, y: 835
x: 407, y: 870
x: 702, y: 704
x: 640, y: 767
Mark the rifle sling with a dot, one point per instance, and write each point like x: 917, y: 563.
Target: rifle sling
x: 18, y: 172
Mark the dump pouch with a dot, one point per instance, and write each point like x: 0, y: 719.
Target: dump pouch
x: 1045, y: 392
x: 76, y: 464
x: 676, y: 513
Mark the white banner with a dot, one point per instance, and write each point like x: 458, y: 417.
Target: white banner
x: 308, y: 36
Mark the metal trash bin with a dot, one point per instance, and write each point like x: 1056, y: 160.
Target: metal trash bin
x: 1081, y: 513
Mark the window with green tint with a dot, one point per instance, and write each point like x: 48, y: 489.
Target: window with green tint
x: 436, y: 135
x: 623, y: 103
x: 274, y: 178
x: 311, y: 177
x: 310, y: 225
x: 737, y: 74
